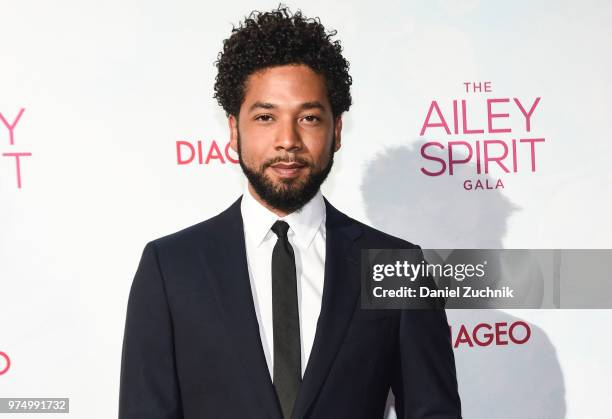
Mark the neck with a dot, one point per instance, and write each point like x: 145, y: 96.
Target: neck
x: 276, y: 211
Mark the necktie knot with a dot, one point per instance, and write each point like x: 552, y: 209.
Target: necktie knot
x: 280, y: 228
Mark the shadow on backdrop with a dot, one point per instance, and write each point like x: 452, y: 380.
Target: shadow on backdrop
x: 495, y: 381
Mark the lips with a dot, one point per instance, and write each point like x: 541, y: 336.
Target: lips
x: 287, y: 169
x: 293, y: 165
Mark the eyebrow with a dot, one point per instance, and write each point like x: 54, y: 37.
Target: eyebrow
x: 306, y: 105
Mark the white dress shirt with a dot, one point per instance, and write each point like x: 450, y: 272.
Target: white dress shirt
x: 307, y: 237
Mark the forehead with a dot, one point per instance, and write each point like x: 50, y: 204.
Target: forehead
x: 286, y: 85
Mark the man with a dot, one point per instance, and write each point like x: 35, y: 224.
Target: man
x: 254, y: 313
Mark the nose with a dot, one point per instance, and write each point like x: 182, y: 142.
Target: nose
x: 288, y: 137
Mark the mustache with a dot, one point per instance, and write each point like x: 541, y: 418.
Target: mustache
x: 281, y: 159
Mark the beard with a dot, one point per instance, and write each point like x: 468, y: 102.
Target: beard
x: 290, y: 194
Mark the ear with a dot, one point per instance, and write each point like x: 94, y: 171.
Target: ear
x: 233, y: 128
x: 338, y: 133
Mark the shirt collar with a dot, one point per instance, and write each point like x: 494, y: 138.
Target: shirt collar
x: 304, y: 222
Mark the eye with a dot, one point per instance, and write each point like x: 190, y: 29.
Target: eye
x: 263, y: 117
x: 311, y: 118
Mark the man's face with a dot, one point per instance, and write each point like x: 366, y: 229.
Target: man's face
x: 285, y: 135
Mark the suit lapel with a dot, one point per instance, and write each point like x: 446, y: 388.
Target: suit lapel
x: 340, y: 291
x: 230, y: 281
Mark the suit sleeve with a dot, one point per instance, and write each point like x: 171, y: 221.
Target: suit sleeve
x: 148, y: 385
x: 425, y: 380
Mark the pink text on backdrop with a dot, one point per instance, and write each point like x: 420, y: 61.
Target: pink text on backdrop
x: 480, y: 148
x: 5, y: 363
x: 188, y: 152
x: 10, y: 125
x: 496, y: 334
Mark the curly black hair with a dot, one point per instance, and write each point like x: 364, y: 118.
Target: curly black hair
x: 278, y: 38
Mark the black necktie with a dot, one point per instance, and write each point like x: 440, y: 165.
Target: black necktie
x: 285, y: 316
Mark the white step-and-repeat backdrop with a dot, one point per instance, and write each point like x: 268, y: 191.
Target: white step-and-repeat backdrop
x: 485, y: 121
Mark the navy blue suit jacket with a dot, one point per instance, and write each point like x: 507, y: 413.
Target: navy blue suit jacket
x: 192, y: 348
